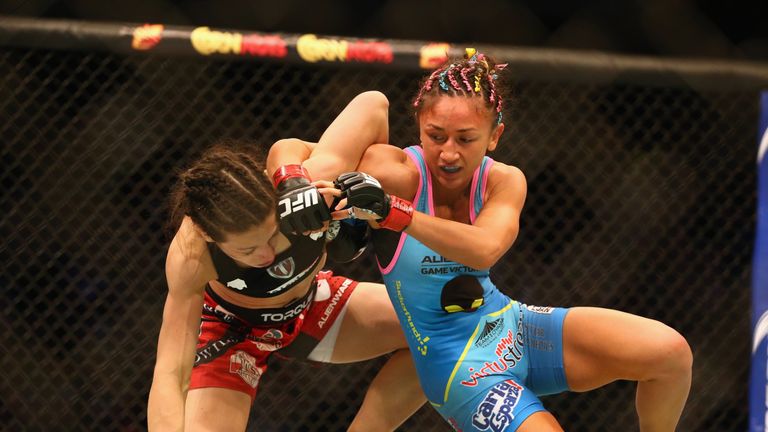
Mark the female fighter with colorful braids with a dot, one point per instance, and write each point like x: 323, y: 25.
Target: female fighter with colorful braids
x: 481, y: 357
x: 260, y: 288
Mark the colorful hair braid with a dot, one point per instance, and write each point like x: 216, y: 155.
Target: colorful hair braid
x: 474, y: 75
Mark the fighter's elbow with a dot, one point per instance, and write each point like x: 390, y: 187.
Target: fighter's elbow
x: 373, y: 98
x: 485, y: 262
x: 493, y: 250
x: 287, y: 144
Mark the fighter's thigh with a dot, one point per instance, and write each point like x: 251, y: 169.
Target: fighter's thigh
x: 542, y: 421
x: 213, y: 409
x: 369, y: 327
x: 603, y: 345
x: 506, y: 405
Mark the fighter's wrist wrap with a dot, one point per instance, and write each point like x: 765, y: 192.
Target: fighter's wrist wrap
x: 286, y: 172
x: 365, y: 192
x: 399, y: 216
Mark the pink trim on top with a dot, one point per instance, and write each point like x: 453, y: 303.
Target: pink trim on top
x: 472, y: 212
x: 472, y: 189
x: 393, y: 261
x: 428, y: 175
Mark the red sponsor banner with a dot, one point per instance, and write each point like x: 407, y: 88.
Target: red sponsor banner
x: 263, y: 46
x: 146, y: 36
x: 313, y: 49
x: 369, y: 52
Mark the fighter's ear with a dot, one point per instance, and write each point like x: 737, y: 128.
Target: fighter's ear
x: 201, y: 232
x: 495, y: 135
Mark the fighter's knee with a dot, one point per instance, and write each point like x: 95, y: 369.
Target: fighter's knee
x: 684, y: 354
x: 674, y: 354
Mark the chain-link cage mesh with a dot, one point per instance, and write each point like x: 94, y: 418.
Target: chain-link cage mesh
x: 641, y: 198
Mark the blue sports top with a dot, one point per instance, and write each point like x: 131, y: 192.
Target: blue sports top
x: 415, y: 276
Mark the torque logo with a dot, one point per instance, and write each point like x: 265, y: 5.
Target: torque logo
x: 288, y: 314
x: 300, y: 201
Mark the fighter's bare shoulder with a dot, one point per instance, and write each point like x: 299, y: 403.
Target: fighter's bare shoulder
x: 392, y: 167
x: 188, y: 260
x: 507, y: 179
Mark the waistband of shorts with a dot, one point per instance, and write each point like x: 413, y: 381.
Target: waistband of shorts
x: 263, y: 317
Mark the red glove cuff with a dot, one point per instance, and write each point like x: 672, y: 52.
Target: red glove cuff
x: 400, y: 214
x: 288, y: 171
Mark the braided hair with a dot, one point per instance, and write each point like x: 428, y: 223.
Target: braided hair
x: 224, y: 191
x: 474, y: 75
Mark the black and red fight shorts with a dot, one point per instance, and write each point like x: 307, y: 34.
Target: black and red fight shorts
x: 233, y: 354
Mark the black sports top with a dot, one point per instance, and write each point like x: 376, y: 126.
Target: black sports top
x: 289, y: 268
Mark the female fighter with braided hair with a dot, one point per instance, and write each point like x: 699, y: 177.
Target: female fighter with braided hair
x: 448, y: 214
x: 237, y: 258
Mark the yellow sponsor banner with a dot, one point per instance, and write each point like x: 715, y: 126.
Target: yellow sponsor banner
x: 313, y: 49
x: 207, y: 41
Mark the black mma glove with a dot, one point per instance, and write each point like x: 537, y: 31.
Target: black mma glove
x: 365, y: 192
x: 300, y: 206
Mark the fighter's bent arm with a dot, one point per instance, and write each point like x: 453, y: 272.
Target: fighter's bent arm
x: 479, y: 245
x: 363, y: 121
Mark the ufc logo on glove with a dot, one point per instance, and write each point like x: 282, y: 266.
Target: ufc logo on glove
x: 298, y: 202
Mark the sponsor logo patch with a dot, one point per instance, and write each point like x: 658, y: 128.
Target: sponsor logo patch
x: 287, y: 314
x: 438, y: 264
x: 306, y: 199
x: 244, y: 365
x: 323, y: 290
x: 509, y: 350
x: 490, y: 331
x: 540, y: 309
x: 333, y: 303
x: 495, y: 411
x: 217, y: 348
x: 283, y: 270
x: 271, y: 340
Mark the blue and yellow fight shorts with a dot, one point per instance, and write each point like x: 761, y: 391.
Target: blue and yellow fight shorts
x: 513, y: 356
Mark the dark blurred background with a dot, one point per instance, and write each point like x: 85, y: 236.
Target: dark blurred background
x: 641, y: 194
x: 736, y: 29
